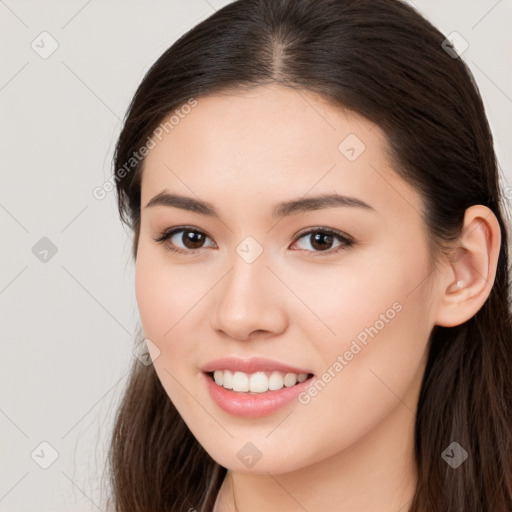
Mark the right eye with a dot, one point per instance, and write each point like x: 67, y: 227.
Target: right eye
x: 191, y: 238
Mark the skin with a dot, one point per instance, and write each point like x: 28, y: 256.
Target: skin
x: 351, y: 446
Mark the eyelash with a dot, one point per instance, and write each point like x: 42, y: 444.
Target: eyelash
x: 346, y: 241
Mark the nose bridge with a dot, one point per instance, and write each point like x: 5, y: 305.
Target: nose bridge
x: 248, y: 271
x: 247, y: 283
x: 248, y: 299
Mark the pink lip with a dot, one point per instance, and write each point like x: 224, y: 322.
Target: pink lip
x: 248, y: 405
x: 252, y: 365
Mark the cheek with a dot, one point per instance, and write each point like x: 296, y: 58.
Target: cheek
x: 160, y: 303
x: 163, y: 293
x: 169, y: 297
x: 378, y: 352
x: 343, y: 301
x: 151, y: 296
x: 374, y: 318
x: 166, y: 318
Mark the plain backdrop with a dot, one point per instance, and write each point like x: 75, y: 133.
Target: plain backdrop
x: 67, y: 303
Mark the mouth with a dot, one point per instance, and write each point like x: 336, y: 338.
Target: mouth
x: 256, y: 386
x: 257, y: 394
x: 258, y: 382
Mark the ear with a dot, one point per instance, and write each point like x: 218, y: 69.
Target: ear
x: 467, y: 280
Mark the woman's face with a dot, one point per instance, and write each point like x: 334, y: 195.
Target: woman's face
x: 339, y: 291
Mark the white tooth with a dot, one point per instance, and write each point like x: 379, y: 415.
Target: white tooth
x: 240, y: 381
x: 275, y: 381
x: 290, y: 379
x: 258, y: 382
x: 228, y: 379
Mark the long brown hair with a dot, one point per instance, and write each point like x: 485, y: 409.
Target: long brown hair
x: 383, y: 60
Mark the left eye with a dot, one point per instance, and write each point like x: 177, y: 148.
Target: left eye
x: 193, y: 240
x: 320, y: 238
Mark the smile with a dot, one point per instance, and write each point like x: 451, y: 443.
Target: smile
x: 252, y: 388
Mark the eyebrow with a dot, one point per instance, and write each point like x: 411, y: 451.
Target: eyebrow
x: 283, y: 209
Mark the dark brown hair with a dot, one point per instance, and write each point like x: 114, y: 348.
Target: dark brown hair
x: 383, y: 60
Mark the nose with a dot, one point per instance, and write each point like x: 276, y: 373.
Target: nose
x: 250, y: 301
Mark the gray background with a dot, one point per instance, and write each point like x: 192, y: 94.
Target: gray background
x: 68, y: 320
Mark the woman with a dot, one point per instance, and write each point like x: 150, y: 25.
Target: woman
x: 321, y: 270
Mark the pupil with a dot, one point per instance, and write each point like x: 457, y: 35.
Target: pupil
x: 320, y: 236
x: 189, y: 238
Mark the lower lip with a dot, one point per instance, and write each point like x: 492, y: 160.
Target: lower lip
x: 248, y: 405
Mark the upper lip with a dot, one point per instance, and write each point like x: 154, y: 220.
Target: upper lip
x: 251, y: 365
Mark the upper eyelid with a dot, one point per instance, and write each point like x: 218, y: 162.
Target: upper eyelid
x: 173, y: 231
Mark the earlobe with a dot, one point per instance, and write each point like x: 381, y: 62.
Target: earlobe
x: 468, y: 279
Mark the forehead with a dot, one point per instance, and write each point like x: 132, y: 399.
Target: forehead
x: 273, y: 142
